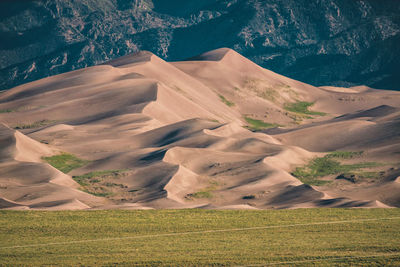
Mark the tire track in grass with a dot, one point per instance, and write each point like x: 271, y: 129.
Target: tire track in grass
x: 332, y: 258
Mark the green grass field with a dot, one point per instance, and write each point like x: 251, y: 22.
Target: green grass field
x: 302, y: 237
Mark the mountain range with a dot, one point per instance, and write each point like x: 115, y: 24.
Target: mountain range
x: 320, y: 42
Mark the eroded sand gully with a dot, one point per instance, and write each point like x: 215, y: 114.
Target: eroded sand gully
x: 183, y: 135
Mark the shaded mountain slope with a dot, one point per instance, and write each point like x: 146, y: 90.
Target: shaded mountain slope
x: 325, y: 42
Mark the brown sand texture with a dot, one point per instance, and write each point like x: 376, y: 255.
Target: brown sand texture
x: 178, y: 131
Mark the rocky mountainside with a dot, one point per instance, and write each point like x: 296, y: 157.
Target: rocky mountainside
x: 322, y: 42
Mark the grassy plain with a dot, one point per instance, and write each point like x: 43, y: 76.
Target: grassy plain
x: 301, y: 237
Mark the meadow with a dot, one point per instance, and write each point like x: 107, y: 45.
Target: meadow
x: 192, y: 237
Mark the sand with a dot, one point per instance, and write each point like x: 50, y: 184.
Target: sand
x: 177, y: 130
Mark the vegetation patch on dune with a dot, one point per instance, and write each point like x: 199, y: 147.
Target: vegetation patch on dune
x: 102, y: 183
x: 97, y: 193
x: 268, y: 93
x: 213, y: 120
x: 299, y: 237
x: 6, y: 110
x: 367, y: 174
x: 301, y: 107
x: 226, y: 101
x: 327, y: 165
x: 200, y: 194
x: 205, y: 192
x: 65, y: 162
x: 91, y: 177
x: 344, y: 154
x: 297, y: 117
x: 258, y: 125
x: 276, y: 93
x: 35, y: 124
x: 263, y: 89
x: 361, y: 175
x: 22, y: 108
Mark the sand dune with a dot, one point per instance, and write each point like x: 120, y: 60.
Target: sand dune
x: 29, y: 183
x: 180, y: 135
x: 371, y: 128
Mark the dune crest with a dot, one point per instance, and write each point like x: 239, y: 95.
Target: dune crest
x: 28, y: 149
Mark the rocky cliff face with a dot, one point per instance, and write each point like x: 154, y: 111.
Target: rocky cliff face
x: 322, y: 42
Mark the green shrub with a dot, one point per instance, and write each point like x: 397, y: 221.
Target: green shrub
x: 201, y: 194
x: 344, y: 154
x: 226, y: 101
x: 36, y: 124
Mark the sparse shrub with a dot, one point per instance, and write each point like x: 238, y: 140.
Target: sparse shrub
x: 96, y: 181
x: 344, y: 154
x: 249, y: 197
x: 36, y: 124
x: 200, y: 194
x: 226, y: 101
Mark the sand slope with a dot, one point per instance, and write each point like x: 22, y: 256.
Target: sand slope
x: 175, y: 132
x: 28, y: 183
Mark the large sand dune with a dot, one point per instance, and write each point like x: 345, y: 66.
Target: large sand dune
x: 179, y: 135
